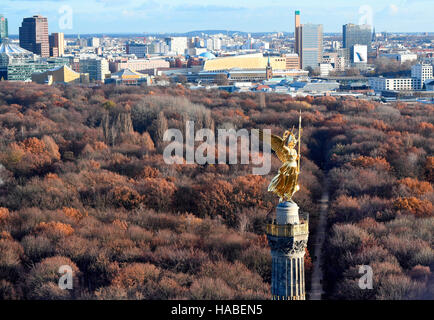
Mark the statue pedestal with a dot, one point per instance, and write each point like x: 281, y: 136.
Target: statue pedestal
x: 287, y: 213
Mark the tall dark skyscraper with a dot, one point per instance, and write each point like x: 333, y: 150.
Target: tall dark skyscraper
x: 356, y: 34
x: 3, y: 27
x: 34, y: 35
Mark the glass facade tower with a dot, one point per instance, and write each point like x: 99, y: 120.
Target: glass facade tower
x: 356, y: 34
x: 311, y: 45
x: 3, y: 27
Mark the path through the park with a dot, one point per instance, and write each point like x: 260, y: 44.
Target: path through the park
x: 317, y: 275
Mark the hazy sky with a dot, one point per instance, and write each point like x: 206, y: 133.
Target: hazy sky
x: 137, y: 16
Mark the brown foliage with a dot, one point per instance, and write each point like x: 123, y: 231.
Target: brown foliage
x: 420, y: 208
x: 42, y: 280
x: 4, y: 214
x: 115, y: 209
x: 54, y: 229
x: 416, y: 187
x: 429, y: 169
x: 31, y: 154
x: 369, y: 162
x: 74, y: 213
x: 126, y: 197
x: 135, y: 274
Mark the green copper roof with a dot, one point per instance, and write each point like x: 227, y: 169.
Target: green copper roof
x: 297, y: 12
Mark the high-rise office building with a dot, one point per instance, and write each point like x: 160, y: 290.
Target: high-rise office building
x: 34, y: 35
x: 308, y: 43
x: 311, y: 45
x: 355, y: 35
x: 57, y: 44
x: 3, y: 27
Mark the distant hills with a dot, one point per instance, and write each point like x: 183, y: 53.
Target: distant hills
x: 196, y: 33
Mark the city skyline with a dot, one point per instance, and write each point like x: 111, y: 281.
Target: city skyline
x: 139, y: 16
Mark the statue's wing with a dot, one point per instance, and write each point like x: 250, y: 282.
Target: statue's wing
x: 277, y: 144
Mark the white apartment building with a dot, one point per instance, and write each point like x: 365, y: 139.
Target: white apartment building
x: 392, y: 84
x: 177, y: 45
x: 98, y: 68
x: 422, y: 72
x: 213, y: 43
x: 325, y: 69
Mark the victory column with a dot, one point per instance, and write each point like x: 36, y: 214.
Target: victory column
x: 288, y: 232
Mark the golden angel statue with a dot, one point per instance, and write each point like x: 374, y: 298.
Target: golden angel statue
x: 285, y: 183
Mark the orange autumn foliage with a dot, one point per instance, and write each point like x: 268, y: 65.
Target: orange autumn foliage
x: 135, y: 274
x: 420, y: 208
x: 417, y: 187
x: 369, y: 162
x: 126, y: 197
x: 335, y: 120
x: 5, y: 235
x: 55, y: 228
x: 99, y: 145
x: 425, y: 126
x: 4, y: 213
x: 121, y: 224
x: 32, y: 145
x: 74, y: 213
x: 380, y: 125
x: 30, y: 154
x: 149, y: 172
